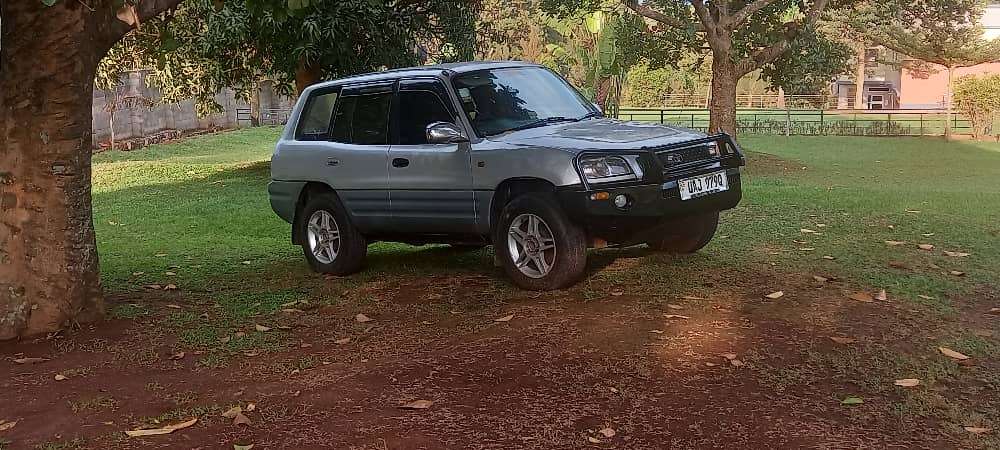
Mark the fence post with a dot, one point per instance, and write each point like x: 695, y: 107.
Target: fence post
x: 692, y: 120
x: 788, y: 121
x: 661, y: 116
x: 822, y: 113
x: 921, y: 115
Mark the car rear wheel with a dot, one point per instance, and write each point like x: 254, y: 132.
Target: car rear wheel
x: 685, y: 235
x: 538, y: 246
x: 330, y: 242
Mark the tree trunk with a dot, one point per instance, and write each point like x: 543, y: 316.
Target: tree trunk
x: 722, y: 105
x: 860, y: 73
x: 306, y: 75
x: 947, y: 101
x: 49, y: 274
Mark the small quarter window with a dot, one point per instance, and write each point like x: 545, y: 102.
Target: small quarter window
x: 362, y: 119
x: 315, y: 122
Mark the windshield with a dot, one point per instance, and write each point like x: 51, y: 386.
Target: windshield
x: 501, y: 100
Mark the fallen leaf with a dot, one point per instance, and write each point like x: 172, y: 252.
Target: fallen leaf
x: 994, y: 311
x: 177, y: 356
x: 136, y: 274
x: 418, y: 404
x: 729, y: 356
x: 154, y: 287
x: 5, y: 425
x: 173, y: 306
x: 614, y: 390
x: 242, y: 447
x: 504, y: 318
x: 617, y: 293
x: 956, y: 254
x: 361, y: 318
x: 232, y: 412
x: 925, y: 246
x: 881, y: 296
x: 30, y: 360
x: 240, y: 419
x: 977, y: 430
x: 593, y: 440
x: 807, y: 231
x: 736, y: 363
x: 952, y: 354
x: 291, y: 310
x: 934, y: 266
x: 251, y: 353
x: 820, y: 279
x: 343, y: 341
x: 828, y: 257
x: 775, y: 295
x: 170, y: 287
x: 843, y: 340
x: 675, y: 316
x: 852, y: 401
x: 957, y: 273
x: 913, y: 211
x: 862, y: 297
x: 656, y: 331
x: 907, y: 382
x: 710, y: 364
x: 251, y: 407
x: 246, y: 263
x: 170, y: 274
x: 691, y: 297
x: 60, y: 377
x: 807, y: 249
x: 261, y: 328
x: 927, y: 234
x: 673, y: 306
x: 607, y: 432
x: 164, y: 430
x: 160, y: 255
x: 926, y: 297
x: 895, y: 243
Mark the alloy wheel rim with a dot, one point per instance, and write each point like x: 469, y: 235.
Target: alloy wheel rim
x: 324, y: 236
x: 532, y: 245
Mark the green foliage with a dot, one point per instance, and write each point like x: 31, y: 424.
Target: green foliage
x: 811, y: 62
x: 979, y: 99
x: 651, y: 88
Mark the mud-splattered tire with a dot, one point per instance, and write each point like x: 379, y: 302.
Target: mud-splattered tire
x: 686, y: 235
x: 538, y: 246
x: 330, y: 241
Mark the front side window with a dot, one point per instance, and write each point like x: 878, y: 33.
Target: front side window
x: 501, y: 100
x: 315, y: 122
x: 362, y: 119
x: 418, y: 109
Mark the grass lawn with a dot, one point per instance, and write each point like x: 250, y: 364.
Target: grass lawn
x: 685, y: 350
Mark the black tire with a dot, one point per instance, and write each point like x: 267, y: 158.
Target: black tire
x: 685, y: 235
x: 352, y: 246
x: 568, y: 257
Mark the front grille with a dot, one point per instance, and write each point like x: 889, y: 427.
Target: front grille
x: 683, y: 156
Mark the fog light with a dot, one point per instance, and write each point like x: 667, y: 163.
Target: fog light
x: 621, y: 201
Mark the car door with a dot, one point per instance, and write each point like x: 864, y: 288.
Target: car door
x: 430, y: 185
x: 343, y: 140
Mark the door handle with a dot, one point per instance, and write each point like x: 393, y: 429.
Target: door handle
x: 400, y: 162
x: 332, y: 162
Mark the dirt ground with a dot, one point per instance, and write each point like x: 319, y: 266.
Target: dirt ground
x: 721, y: 366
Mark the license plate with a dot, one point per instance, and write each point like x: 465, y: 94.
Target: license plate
x: 702, y: 185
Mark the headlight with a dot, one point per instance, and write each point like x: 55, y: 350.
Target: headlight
x: 603, y: 169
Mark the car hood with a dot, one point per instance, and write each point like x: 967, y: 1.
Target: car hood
x: 599, y: 134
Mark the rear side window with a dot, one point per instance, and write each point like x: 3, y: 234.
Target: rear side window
x: 417, y: 110
x: 315, y: 122
x: 362, y: 119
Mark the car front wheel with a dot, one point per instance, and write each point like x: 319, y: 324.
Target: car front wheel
x: 330, y: 242
x: 538, y: 246
x: 685, y: 235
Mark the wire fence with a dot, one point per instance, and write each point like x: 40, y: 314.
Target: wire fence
x: 811, y: 121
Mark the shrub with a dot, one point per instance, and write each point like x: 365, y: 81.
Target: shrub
x: 979, y: 99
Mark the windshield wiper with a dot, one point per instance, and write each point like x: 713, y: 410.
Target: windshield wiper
x: 590, y: 115
x: 540, y: 123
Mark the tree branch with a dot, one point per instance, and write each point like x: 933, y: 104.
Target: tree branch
x: 747, y: 11
x: 650, y: 13
x: 703, y: 14
x: 770, y: 53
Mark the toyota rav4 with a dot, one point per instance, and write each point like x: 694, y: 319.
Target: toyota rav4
x: 491, y: 153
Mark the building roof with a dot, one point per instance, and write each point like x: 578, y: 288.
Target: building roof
x: 431, y: 70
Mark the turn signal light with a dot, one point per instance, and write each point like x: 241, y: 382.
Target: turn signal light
x: 600, y: 196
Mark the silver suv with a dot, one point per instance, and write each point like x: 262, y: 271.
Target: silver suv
x: 501, y: 153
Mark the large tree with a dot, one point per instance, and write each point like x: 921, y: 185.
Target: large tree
x: 742, y: 36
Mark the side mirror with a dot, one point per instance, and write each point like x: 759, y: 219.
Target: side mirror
x: 445, y: 133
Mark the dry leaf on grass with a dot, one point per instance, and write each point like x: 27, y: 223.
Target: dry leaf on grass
x: 170, y: 287
x: 164, y: 430
x: 675, y: 316
x: 242, y: 447
x: 240, y: 419
x: 176, y: 356
x: 418, y: 404
x: 691, y: 297
x: 907, y: 382
x: 843, y: 340
x: 862, y: 297
x: 170, y: 274
x: 956, y: 254
x: 977, y: 430
x: 828, y: 258
x: 925, y: 246
x: 775, y: 295
x: 957, y: 273
x: 343, y: 341
x: 361, y: 318
x: 852, y: 401
x: 673, y: 306
x: 173, y: 306
x: 251, y: 407
x: 656, y: 331
x: 261, y: 328
x: 5, y: 425
x: 608, y: 432
x: 617, y: 293
x: 994, y: 311
x: 232, y: 412
x: 895, y: 243
x: 807, y: 249
x: 807, y: 231
x: 952, y: 354
x: 593, y: 440
x: 881, y: 296
x: 820, y: 279
x: 60, y: 377
x: 30, y: 360
x: 926, y: 297
x: 504, y: 318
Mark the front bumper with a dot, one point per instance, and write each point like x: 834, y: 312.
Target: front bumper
x: 656, y: 197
